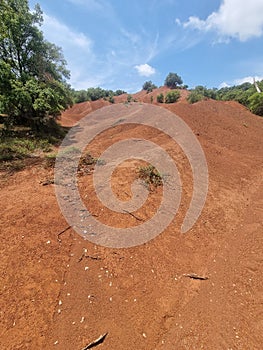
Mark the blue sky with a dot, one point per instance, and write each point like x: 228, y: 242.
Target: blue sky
x: 118, y: 44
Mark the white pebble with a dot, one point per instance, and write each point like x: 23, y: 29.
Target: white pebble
x: 48, y: 242
x: 144, y: 335
x: 82, y: 319
x: 56, y: 342
x: 60, y: 302
x: 86, y: 268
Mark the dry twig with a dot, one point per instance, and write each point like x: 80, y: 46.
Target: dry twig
x: 96, y: 342
x: 60, y: 233
x: 136, y: 217
x: 195, y: 276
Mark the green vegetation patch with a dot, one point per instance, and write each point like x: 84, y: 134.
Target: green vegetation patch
x: 150, y: 175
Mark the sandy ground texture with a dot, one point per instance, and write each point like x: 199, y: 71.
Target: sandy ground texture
x: 59, y: 291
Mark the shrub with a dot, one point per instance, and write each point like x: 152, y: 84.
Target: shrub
x: 172, y: 96
x: 160, y: 98
x: 194, y: 97
x: 111, y: 99
x: 129, y: 98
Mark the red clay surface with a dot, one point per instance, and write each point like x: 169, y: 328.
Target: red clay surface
x: 55, y: 297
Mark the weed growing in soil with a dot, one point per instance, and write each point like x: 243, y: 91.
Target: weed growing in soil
x: 87, y: 163
x: 151, y: 176
x: 20, y: 145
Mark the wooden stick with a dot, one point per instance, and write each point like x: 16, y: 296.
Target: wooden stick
x: 195, y: 276
x: 60, y: 233
x: 96, y: 342
x: 136, y: 217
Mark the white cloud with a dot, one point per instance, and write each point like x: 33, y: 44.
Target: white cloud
x: 108, y: 65
x: 232, y: 20
x: 249, y: 79
x: 145, y: 70
x: 239, y: 81
x: 223, y: 85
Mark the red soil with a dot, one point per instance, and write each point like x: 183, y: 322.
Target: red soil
x: 52, y: 299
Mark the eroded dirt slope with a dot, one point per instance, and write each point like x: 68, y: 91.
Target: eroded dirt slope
x: 55, y: 297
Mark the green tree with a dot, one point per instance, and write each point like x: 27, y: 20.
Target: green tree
x: 33, y: 71
x: 172, y: 96
x: 119, y: 92
x: 96, y: 93
x: 80, y: 96
x: 173, y: 80
x: 256, y: 103
x: 200, y: 93
x: 149, y: 86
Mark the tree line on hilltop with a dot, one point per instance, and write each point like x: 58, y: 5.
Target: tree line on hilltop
x: 34, y: 74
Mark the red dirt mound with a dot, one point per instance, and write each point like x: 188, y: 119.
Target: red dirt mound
x: 61, y: 292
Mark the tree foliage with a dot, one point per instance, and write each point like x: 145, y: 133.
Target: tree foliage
x: 33, y: 70
x: 173, y: 80
x: 244, y: 93
x: 256, y: 103
x: 94, y: 94
x: 200, y: 93
x: 149, y: 86
x: 239, y: 93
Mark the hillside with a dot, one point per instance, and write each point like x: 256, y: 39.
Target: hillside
x: 56, y: 295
